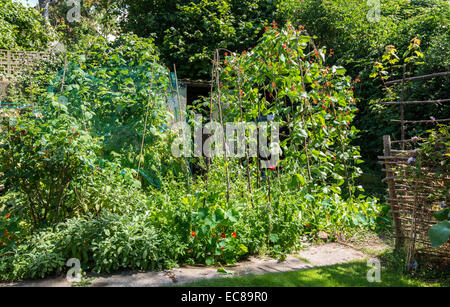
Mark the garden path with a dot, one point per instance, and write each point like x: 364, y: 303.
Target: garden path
x: 312, y: 256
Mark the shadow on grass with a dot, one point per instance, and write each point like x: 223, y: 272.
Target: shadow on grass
x: 353, y: 274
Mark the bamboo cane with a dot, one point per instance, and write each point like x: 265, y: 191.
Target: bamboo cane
x: 245, y: 139
x: 221, y: 123
x: 179, y: 104
x: 145, y: 122
x: 305, y: 140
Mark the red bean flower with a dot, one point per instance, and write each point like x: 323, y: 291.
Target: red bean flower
x: 193, y: 233
x: 233, y: 234
x: 223, y: 235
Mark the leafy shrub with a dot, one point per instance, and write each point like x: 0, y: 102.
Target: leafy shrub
x: 52, y: 173
x: 103, y: 244
x: 41, y: 159
x: 107, y: 87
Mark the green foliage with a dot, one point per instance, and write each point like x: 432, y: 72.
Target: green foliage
x: 98, y: 18
x: 60, y: 156
x: 26, y: 87
x: 286, y: 76
x: 103, y: 244
x: 85, y: 135
x: 109, y: 91
x: 172, y: 226
x: 41, y: 158
x: 22, y: 28
x: 343, y: 27
x: 187, y: 32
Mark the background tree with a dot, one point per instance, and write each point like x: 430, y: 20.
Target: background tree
x: 187, y: 32
x: 97, y: 18
x: 22, y: 27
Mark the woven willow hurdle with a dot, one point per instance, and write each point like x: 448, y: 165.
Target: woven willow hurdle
x: 16, y: 62
x: 13, y: 62
x: 411, y: 207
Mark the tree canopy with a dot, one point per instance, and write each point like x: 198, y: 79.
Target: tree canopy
x: 22, y: 27
x: 187, y: 32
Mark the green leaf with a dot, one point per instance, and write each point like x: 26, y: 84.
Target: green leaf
x: 209, y: 261
x: 309, y: 197
x: 296, y: 180
x: 273, y: 238
x: 219, y: 215
x: 339, y: 70
x: 304, y: 39
x: 243, y: 248
x: 202, y: 213
x: 223, y: 271
x: 442, y: 215
x: 233, y: 215
x: 439, y: 233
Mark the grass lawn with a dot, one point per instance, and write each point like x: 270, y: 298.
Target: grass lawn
x: 351, y: 274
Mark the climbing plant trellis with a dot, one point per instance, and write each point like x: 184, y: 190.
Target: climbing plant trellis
x: 13, y: 63
x: 412, y: 208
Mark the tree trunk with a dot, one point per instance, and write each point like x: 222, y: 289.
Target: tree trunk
x: 43, y: 5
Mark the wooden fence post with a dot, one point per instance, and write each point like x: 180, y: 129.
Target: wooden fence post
x: 402, y: 108
x: 392, y: 193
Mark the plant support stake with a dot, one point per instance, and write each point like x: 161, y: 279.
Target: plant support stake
x: 221, y: 123
x: 146, y: 119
